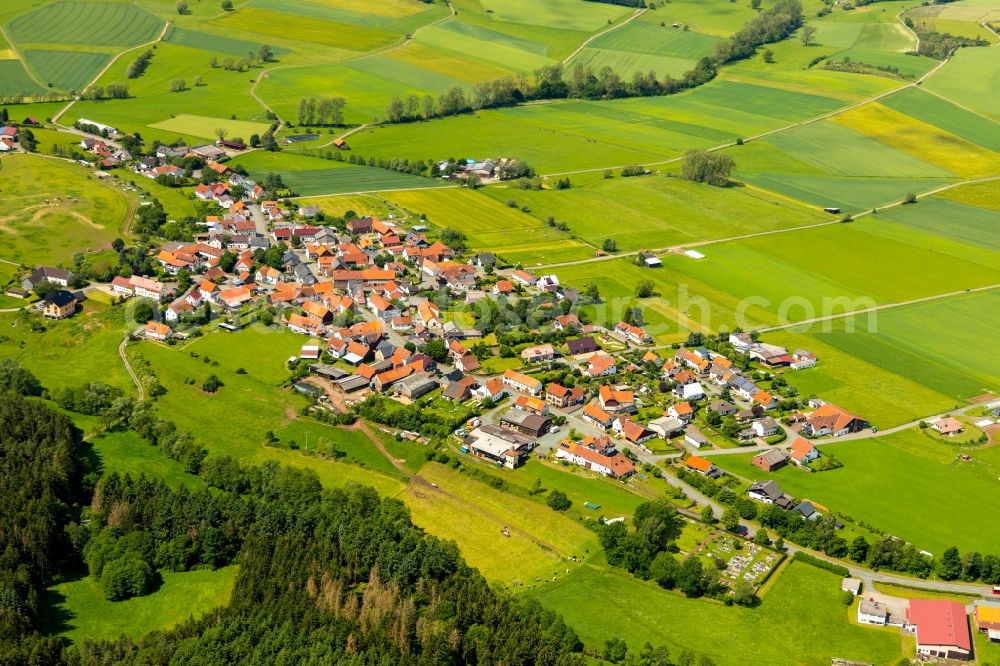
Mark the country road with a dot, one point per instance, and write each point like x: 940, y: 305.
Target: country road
x: 128, y: 368
x: 636, y: 14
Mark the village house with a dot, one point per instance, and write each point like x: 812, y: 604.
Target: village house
x: 701, y: 465
x: 609, y: 463
x: 492, y: 390
x: 562, y: 397
x: 765, y: 427
x: 156, y: 331
x: 616, y: 401
x: 829, y: 419
x: 522, y: 383
x: 597, y: 416
x: 769, y: 492
x: 59, y: 305
x: 532, y: 405
x: 634, y: 432
x: 567, y: 322
x: 523, y: 277
x: 682, y: 411
x: 57, y: 276
x: 948, y: 426
x: 634, y: 334
x: 803, y: 452
x: 538, y: 354
x: 873, y: 612
x: 600, y: 365
x: 722, y: 407
x: 769, y: 461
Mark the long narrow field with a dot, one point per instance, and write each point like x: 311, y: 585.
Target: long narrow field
x: 602, y: 604
x: 901, y: 467
x: 90, y: 23
x: 656, y: 212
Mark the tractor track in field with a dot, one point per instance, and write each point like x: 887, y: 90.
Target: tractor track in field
x: 104, y: 70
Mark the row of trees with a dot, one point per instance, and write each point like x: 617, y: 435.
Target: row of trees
x: 137, y: 67
x: 551, y: 82
x: 323, y: 111
x: 110, y: 91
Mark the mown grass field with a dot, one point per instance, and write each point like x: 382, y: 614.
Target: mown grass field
x: 947, y: 116
x: 920, y: 342
x: 901, y: 466
x: 15, y: 79
x: 66, y: 70
x: 474, y: 514
x: 205, y: 127
x: 970, y: 79
x: 72, y: 213
x: 946, y: 217
x: 804, y: 607
x: 86, y: 23
x: 82, y: 613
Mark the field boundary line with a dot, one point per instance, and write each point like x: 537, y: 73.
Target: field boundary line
x: 95, y: 79
x: 636, y: 14
x: 17, y: 53
x: 877, y: 308
x: 899, y: 17
x: 395, y: 189
x: 777, y: 130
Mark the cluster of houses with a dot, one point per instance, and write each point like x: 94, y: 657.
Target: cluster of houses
x: 8, y: 138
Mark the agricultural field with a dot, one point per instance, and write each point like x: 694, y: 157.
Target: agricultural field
x: 488, y: 225
x: 15, y: 79
x: 803, y: 605
x: 86, y: 23
x: 902, y: 466
x: 970, y: 80
x: 202, y: 126
x: 73, y: 213
x: 66, y: 70
x: 786, y: 284
x: 655, y: 212
x: 79, y: 611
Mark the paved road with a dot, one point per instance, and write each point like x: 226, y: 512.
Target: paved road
x: 259, y: 218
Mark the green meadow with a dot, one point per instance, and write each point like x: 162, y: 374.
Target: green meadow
x: 970, y: 80
x: 901, y: 466
x: 80, y: 612
x: 803, y: 606
x: 655, y: 212
x: 73, y: 213
x: 127, y: 453
x: 69, y: 352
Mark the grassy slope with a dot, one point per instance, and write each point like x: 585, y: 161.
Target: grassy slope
x: 803, y: 607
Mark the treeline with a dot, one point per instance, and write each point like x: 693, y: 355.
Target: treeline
x: 41, y: 480
x: 138, y: 66
x: 325, y: 111
x: 550, y: 82
x: 940, y: 45
x: 638, y: 4
x: 769, y: 26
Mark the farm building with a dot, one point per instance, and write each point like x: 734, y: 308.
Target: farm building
x: 988, y: 621
x: 948, y: 426
x: 828, y: 419
x: 942, y: 629
x: 504, y: 447
x: 770, y: 460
